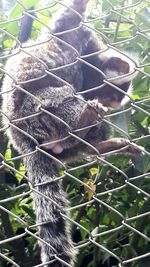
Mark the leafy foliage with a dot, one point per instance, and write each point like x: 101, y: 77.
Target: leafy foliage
x: 113, y: 197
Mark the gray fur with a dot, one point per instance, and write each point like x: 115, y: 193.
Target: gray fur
x: 58, y: 98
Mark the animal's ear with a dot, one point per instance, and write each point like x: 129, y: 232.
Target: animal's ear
x: 117, y: 67
x: 116, y: 64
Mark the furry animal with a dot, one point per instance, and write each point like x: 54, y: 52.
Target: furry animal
x: 47, y: 119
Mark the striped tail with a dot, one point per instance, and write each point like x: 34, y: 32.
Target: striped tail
x: 49, y: 204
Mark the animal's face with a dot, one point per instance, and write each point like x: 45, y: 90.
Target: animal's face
x: 111, y: 77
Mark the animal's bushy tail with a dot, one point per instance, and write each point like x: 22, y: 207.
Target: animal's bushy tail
x: 49, y: 201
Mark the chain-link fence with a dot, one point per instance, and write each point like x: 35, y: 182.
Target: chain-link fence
x: 108, y: 191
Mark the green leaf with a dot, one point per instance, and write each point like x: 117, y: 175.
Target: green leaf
x: 143, y: 17
x: 28, y: 210
x: 121, y: 121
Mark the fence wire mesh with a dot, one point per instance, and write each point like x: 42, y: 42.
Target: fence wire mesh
x: 109, y: 194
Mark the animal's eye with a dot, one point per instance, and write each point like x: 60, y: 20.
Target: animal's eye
x: 114, y: 97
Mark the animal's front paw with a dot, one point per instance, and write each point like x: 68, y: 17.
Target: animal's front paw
x: 134, y: 150
x: 98, y: 107
x: 128, y: 147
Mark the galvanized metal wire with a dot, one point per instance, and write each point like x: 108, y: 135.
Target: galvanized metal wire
x: 103, y: 198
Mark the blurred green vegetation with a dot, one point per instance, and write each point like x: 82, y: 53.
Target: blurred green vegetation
x: 127, y: 29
